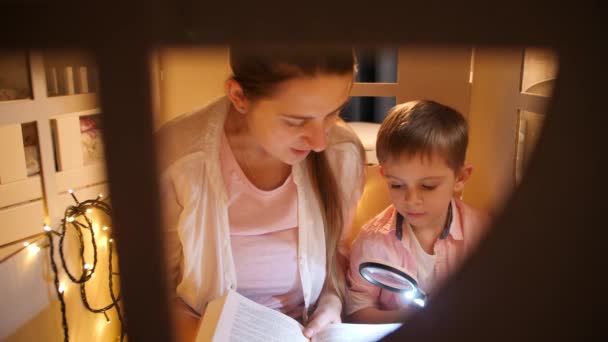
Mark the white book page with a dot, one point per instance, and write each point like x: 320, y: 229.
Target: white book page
x: 244, y: 320
x: 355, y: 332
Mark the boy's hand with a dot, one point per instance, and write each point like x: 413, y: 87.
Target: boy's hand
x: 327, y: 312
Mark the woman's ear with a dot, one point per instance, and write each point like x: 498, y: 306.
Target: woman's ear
x: 381, y: 170
x: 235, y: 93
x: 462, y: 177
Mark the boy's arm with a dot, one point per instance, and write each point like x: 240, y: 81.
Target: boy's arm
x: 360, y: 293
x: 374, y: 315
x: 363, y: 299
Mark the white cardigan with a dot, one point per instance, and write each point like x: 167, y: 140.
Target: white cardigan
x: 195, y: 211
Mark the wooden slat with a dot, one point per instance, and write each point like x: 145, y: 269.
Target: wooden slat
x: 68, y: 143
x: 21, y: 221
x: 533, y: 103
x: 38, y: 76
x: 72, y: 103
x: 47, y: 163
x: 31, y: 110
x: 80, y: 177
x: 12, y: 154
x: 18, y: 111
x: 21, y: 191
x: 493, y: 127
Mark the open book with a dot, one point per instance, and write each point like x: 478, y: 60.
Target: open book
x: 237, y: 319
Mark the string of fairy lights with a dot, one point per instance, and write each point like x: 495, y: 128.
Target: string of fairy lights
x: 76, y: 218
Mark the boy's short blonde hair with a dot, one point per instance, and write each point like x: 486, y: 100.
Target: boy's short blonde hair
x: 423, y: 128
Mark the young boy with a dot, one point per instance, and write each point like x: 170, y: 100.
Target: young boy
x: 421, y: 149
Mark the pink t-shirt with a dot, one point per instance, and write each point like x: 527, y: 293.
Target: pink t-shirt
x: 377, y: 241
x: 264, y: 238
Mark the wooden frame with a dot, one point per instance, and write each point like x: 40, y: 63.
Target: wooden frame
x: 504, y: 291
x: 26, y: 203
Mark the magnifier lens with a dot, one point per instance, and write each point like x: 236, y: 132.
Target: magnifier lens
x: 393, y: 279
x: 388, y: 278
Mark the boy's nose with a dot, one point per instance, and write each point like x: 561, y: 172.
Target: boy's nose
x: 412, y: 197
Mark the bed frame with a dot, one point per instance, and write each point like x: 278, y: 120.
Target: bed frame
x: 29, y: 202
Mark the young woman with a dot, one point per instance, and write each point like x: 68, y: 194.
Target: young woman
x: 259, y: 187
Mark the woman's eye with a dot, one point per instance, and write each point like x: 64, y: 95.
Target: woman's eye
x: 395, y: 186
x: 334, y: 115
x: 429, y: 187
x: 294, y: 123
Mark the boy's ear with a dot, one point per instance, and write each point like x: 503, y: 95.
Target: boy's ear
x: 462, y: 177
x: 381, y: 170
x: 235, y: 94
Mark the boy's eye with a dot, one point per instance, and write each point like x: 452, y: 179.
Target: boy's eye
x: 429, y: 187
x: 395, y: 186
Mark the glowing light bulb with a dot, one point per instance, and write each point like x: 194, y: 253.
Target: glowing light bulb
x: 100, y: 195
x: 104, y: 228
x: 89, y: 211
x: 111, y: 240
x: 25, y: 244
x: 34, y: 249
x: 87, y: 266
x: 70, y: 191
x: 47, y: 228
x: 61, y: 288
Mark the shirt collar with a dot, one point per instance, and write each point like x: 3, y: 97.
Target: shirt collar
x: 452, y: 227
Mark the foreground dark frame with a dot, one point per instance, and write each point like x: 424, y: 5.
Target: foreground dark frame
x: 536, y: 277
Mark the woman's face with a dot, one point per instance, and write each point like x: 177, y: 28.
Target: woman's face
x: 297, y: 117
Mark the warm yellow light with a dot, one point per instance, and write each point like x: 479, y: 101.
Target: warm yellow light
x: 104, y: 228
x: 87, y: 266
x: 89, y: 211
x: 70, y: 191
x: 71, y: 219
x: 33, y: 249
x: 100, y: 195
x: 25, y: 244
x: 61, y: 288
x: 47, y: 228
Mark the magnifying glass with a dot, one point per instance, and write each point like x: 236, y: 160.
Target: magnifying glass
x: 393, y: 279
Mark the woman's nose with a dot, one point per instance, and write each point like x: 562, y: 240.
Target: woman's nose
x: 318, y: 138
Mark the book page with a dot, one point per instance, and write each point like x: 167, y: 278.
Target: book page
x: 244, y: 320
x: 355, y: 332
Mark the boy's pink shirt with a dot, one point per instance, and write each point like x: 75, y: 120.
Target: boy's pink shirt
x: 377, y: 240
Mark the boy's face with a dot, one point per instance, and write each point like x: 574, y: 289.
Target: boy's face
x: 421, y: 188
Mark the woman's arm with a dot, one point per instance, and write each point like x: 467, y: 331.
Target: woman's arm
x: 185, y: 321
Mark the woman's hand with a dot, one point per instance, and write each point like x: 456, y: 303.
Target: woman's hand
x: 327, y: 312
